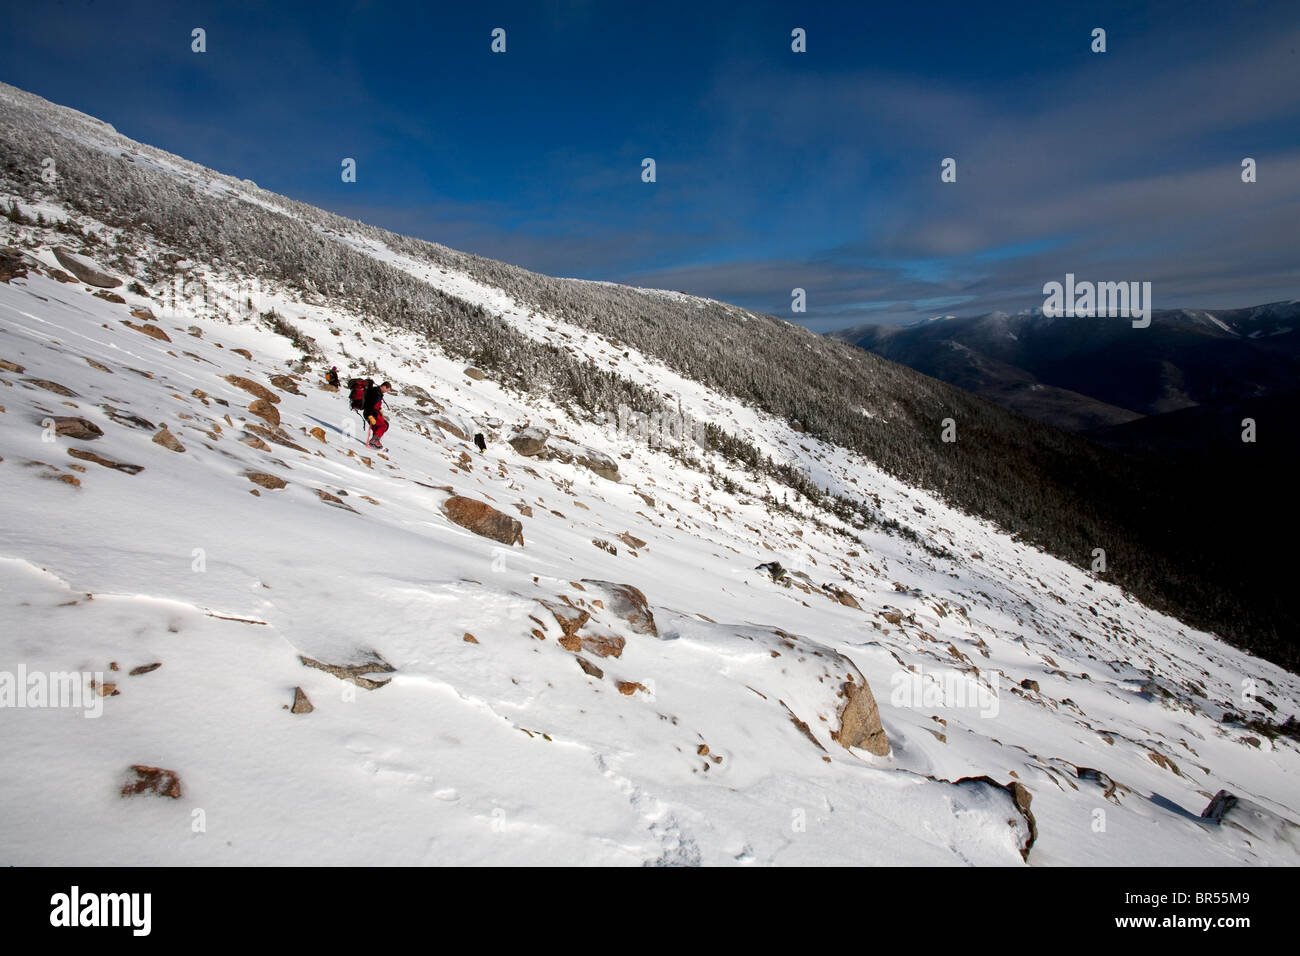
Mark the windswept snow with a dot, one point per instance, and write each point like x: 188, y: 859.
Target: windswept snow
x: 710, y: 742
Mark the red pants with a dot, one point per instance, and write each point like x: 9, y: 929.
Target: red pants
x: 379, y: 427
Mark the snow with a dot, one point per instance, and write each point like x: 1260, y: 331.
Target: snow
x: 504, y: 750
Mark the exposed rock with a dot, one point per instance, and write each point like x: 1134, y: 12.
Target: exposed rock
x: 604, y: 545
x: 1258, y: 822
x: 143, y: 314
x: 110, y: 297
x: 597, y: 462
x: 628, y: 603
x: 802, y: 725
x: 12, y: 366
x: 54, y: 387
x: 301, y: 705
x: 1020, y: 798
x: 773, y: 570
x: 85, y: 270
x: 127, y: 419
x: 276, y: 435
x: 452, y: 428
x: 628, y: 688
x: 285, y: 383
x: 589, y: 668
x: 631, y: 540
x: 262, y: 479
x: 337, y: 502
x: 469, y: 638
x: 318, y: 433
x: 66, y: 479
x: 244, y: 352
x: 12, y: 265
x: 475, y: 373
x: 84, y: 455
x: 79, y: 428
x: 266, y: 411
x: 164, y: 783
x: 256, y: 389
x: 150, y: 330
x: 569, y: 617
x: 355, y: 673
x: 1028, y: 684
x: 167, y: 440
x: 144, y: 669
x: 100, y: 366
x: 860, y: 724
x: 483, y: 519
x: 1101, y: 778
x: 843, y: 596
x: 529, y: 441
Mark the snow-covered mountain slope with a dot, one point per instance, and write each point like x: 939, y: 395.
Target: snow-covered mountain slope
x: 515, y: 703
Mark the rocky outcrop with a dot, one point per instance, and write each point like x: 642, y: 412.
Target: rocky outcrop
x: 79, y: 428
x: 1020, y: 799
x: 626, y: 602
x: 265, y: 411
x: 12, y: 265
x: 355, y: 673
x: 301, y: 705
x: 860, y: 724
x: 254, y: 388
x: 286, y: 383
x: 54, y: 387
x: 84, y: 455
x: 534, y: 442
x: 85, y: 270
x: 1258, y: 822
x: 167, y: 440
x: 453, y: 426
x: 529, y: 442
x: 149, y: 329
x: 484, y: 520
x: 126, y: 418
x: 263, y: 480
x: 155, y: 780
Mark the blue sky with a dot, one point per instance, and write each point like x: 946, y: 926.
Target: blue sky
x: 775, y: 169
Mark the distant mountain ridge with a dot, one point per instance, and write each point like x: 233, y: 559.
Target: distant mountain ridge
x: 1080, y: 374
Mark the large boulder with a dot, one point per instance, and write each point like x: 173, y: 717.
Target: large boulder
x: 483, y: 520
x: 598, y: 462
x: 626, y: 602
x: 1027, y: 826
x: 73, y: 427
x: 860, y: 724
x: 12, y: 264
x: 254, y: 388
x: 1257, y: 822
x: 530, y: 441
x: 534, y: 442
x: 85, y: 270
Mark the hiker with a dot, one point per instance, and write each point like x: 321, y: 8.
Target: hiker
x: 332, y: 377
x: 373, y: 411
